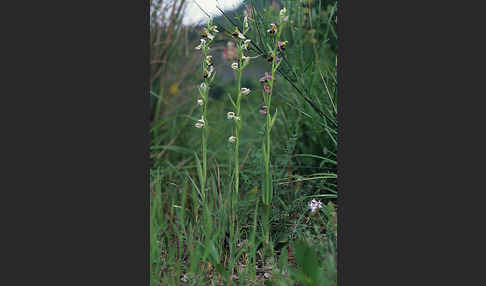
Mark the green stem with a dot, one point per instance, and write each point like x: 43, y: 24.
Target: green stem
x: 268, y: 192
x: 205, y: 131
x: 268, y: 101
x: 237, y: 133
x: 204, y: 150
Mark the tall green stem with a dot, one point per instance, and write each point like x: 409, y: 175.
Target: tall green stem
x: 205, y: 128
x: 204, y: 150
x: 237, y: 131
x: 207, y: 67
x: 267, y: 193
x: 236, y: 150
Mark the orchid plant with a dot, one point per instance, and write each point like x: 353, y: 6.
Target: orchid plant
x: 207, y: 37
x: 268, y: 84
x: 238, y: 66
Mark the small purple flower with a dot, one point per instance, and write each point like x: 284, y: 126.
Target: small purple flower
x: 267, y: 89
x: 277, y: 59
x: 263, y: 110
x: 266, y: 77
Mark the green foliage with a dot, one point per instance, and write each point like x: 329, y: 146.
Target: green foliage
x: 213, y: 237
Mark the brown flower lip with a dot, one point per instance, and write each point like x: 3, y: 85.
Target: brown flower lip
x: 273, y: 29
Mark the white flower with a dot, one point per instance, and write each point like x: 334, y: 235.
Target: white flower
x: 184, y: 278
x: 208, y: 73
x: 245, y: 44
x: 203, y: 42
x: 245, y: 22
x: 199, y: 123
x: 211, y: 37
x: 214, y: 29
x: 234, y: 66
x: 283, y: 16
x: 209, y: 61
x: 241, y: 36
x: 200, y: 102
x: 203, y: 86
x: 314, y: 205
x: 245, y: 91
x: 232, y: 139
x: 231, y: 115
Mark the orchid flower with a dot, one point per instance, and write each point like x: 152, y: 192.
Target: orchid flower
x: 266, y: 77
x: 199, y: 123
x: 267, y: 89
x: 263, y: 110
x: 245, y: 44
x: 273, y: 29
x: 203, y: 42
x: 238, y: 34
x: 281, y: 45
x: 245, y: 91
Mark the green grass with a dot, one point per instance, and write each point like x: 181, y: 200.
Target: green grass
x: 215, y: 236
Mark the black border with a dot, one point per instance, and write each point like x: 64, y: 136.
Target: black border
x: 340, y: 69
x: 77, y: 177
x: 79, y: 159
